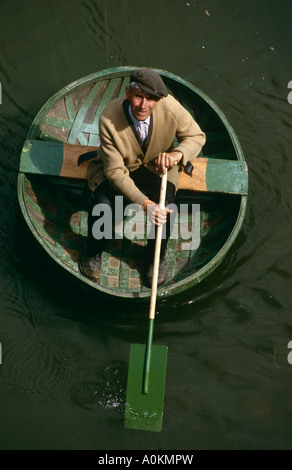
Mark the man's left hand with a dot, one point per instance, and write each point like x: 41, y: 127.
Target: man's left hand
x: 167, y: 160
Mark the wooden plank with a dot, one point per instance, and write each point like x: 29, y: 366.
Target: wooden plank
x: 71, y: 155
x: 216, y: 175
x: 70, y: 161
x: 198, y: 179
x: 227, y: 176
x: 41, y: 157
x: 54, y: 159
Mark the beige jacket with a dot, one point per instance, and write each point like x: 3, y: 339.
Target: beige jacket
x: 120, y: 152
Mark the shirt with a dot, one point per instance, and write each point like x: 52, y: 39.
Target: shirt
x: 142, y: 127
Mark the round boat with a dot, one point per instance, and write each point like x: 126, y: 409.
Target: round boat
x: 54, y: 204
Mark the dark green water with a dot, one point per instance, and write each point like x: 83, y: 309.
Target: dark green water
x: 65, y: 354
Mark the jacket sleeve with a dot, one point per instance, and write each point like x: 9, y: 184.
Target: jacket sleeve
x: 114, y: 166
x: 189, y: 135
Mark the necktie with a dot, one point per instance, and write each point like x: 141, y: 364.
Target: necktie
x: 142, y: 130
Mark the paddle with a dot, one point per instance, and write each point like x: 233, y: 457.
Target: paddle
x: 147, y: 364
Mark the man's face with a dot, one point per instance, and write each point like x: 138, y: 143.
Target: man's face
x: 142, y: 104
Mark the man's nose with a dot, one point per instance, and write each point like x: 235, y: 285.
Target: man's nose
x: 143, y: 103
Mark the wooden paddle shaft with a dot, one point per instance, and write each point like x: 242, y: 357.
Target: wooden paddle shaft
x: 157, y: 249
x: 154, y: 289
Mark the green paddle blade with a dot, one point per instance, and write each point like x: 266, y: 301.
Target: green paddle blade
x: 144, y: 411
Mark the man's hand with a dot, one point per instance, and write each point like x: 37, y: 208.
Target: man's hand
x: 157, y: 215
x: 168, y: 160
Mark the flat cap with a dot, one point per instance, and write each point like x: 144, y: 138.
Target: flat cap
x: 150, y: 82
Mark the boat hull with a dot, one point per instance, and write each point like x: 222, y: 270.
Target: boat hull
x: 55, y: 209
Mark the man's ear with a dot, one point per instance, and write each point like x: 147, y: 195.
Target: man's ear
x: 128, y: 93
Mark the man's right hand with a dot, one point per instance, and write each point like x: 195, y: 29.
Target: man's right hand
x: 157, y: 214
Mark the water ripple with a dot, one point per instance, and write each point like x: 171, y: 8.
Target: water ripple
x: 102, y: 388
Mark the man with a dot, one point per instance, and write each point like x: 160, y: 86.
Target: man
x: 136, y: 135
